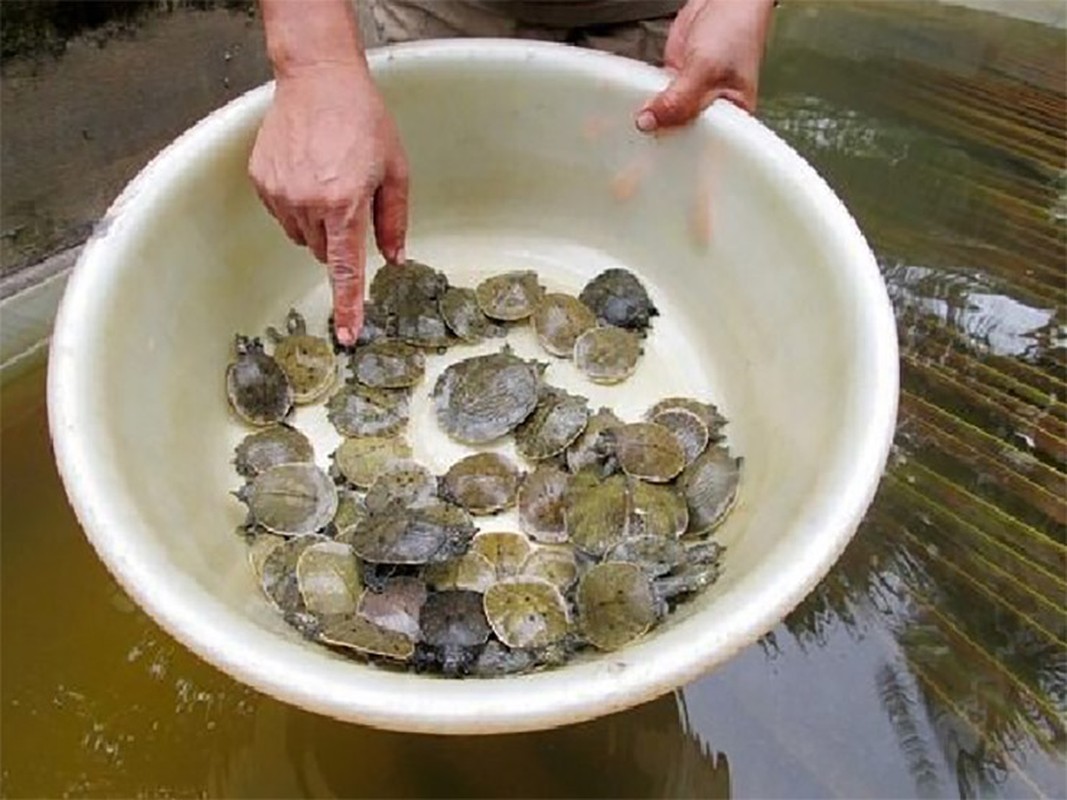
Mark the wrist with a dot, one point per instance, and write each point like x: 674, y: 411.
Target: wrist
x: 309, y: 37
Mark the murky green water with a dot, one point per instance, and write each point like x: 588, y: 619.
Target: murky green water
x: 932, y: 661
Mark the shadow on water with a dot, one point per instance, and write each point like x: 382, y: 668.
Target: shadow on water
x: 933, y: 658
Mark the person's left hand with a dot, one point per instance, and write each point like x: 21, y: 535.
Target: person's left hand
x: 714, y: 49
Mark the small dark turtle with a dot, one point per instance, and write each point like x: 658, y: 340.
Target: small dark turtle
x: 558, y: 419
x: 656, y: 555
x: 506, y: 551
x: 470, y: 571
x: 596, y: 512
x: 261, y: 544
x: 540, y: 501
x: 420, y: 324
x: 526, y: 612
x: 360, y: 460
x: 388, y: 365
x: 606, y: 354
x: 656, y: 510
x: 434, y: 531
x: 464, y: 317
x: 394, y: 284
x: 353, y: 632
x: 709, y: 414
x: 646, y: 450
x: 559, y: 320
x: 328, y: 578
x: 586, y: 450
x: 290, y: 499
x: 258, y: 389
x: 405, y: 483
x: 497, y: 659
x: 616, y: 604
x: 617, y: 297
x: 358, y: 410
x: 453, y: 628
x: 482, y: 398
x: 395, y: 606
x: 376, y: 326
x: 709, y: 485
x: 510, y: 296
x: 690, y: 579
x: 688, y: 428
x: 483, y: 483
x: 278, y: 444
x: 557, y: 565
x: 308, y: 361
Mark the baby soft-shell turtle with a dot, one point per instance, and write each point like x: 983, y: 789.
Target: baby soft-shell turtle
x: 470, y: 571
x: 353, y: 632
x: 258, y: 389
x: 388, y: 365
x: 278, y: 573
x: 498, y: 659
x: 261, y: 544
x: 405, y: 483
x: 510, y: 296
x: 596, y: 512
x: 709, y: 485
x: 453, y: 629
x: 558, y: 419
x: 557, y: 565
x: 526, y: 613
x: 464, y: 317
x: 708, y: 413
x: 359, y: 460
x: 290, y: 499
x: 587, y: 450
x: 278, y: 444
x: 308, y: 361
x: 483, y: 483
x: 656, y: 510
x: 408, y: 294
x: 358, y: 410
x: 559, y: 320
x: 395, y: 606
x: 540, y: 501
x: 350, y: 512
x: 616, y: 604
x: 482, y: 398
x: 656, y: 555
x: 328, y: 578
x: 688, y: 428
x: 506, y: 551
x: 618, y: 298
x: 646, y: 450
x: 607, y: 354
x: 434, y: 531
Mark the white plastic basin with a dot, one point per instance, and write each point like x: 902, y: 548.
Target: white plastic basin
x: 522, y: 155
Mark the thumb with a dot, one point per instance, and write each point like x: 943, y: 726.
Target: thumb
x: 676, y: 105
x: 346, y: 259
x: 391, y: 210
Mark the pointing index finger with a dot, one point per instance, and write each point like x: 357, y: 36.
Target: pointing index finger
x: 346, y: 260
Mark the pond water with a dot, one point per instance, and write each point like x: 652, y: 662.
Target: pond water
x: 932, y: 661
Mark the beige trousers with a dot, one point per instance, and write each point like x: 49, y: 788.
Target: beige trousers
x: 389, y: 21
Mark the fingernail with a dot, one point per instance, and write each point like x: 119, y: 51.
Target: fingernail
x: 346, y: 335
x: 646, y: 121
x: 401, y: 256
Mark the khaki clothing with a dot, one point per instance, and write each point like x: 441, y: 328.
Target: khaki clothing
x: 615, y: 26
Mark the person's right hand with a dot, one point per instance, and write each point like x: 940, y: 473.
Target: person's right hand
x: 327, y: 154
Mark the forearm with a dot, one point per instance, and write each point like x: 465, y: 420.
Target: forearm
x: 311, y: 33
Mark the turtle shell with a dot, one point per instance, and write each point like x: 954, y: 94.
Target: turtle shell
x: 656, y: 510
x: 435, y: 531
x: 290, y: 499
x: 558, y: 419
x: 596, y: 512
x: 709, y: 485
x: 470, y: 571
x: 708, y: 412
x: 587, y: 449
x: 308, y: 361
x: 464, y: 317
x: 405, y: 483
x: 688, y: 428
x: 328, y: 578
x: 360, y: 460
x: 557, y: 565
x: 388, y: 365
x: 616, y: 604
x: 258, y: 389
x: 607, y: 354
x: 395, y: 606
x: 505, y: 551
x: 510, y: 296
x: 453, y: 619
x: 353, y: 632
x: 648, y: 451
x: 526, y: 612
x: 483, y: 483
x: 540, y: 500
x: 278, y: 444
x: 358, y: 410
x: 484, y: 397
x: 559, y: 320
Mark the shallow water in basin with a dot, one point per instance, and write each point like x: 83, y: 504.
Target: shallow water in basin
x: 932, y: 661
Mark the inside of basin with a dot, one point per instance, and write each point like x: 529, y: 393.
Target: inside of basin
x: 751, y: 287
